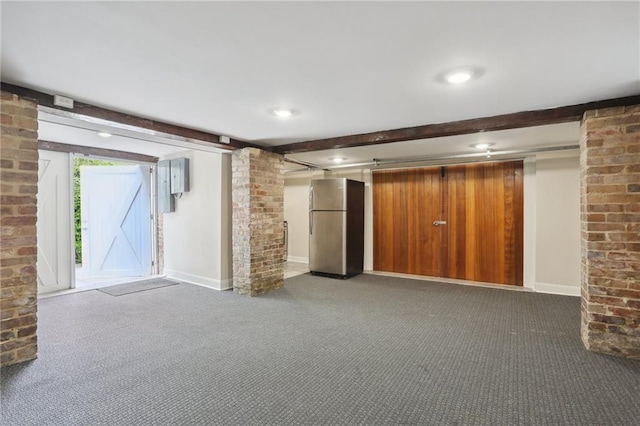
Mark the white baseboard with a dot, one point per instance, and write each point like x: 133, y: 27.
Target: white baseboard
x: 564, y: 290
x: 297, y: 259
x: 219, y: 285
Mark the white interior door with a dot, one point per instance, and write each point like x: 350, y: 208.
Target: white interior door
x: 54, y: 222
x: 116, y: 220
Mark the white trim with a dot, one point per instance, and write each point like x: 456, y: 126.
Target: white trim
x: 72, y: 221
x: 298, y: 259
x: 564, y: 290
x: 529, y: 244
x: 212, y: 283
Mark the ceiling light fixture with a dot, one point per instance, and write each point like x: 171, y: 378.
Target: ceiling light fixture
x: 482, y: 146
x: 337, y: 159
x: 104, y: 134
x: 283, y: 112
x: 459, y: 75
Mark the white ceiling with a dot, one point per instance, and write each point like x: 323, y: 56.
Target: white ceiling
x: 348, y: 68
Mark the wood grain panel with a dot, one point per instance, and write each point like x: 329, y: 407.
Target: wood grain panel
x: 405, y: 240
x: 483, y: 207
x: 485, y: 216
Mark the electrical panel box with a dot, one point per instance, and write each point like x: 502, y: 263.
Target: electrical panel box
x: 179, y: 175
x: 166, y: 201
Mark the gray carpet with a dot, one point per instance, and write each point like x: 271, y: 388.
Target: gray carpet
x: 369, y: 350
x: 135, y: 287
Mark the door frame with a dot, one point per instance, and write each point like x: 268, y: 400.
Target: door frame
x: 153, y: 200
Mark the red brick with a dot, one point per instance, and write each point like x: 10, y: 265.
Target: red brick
x: 18, y: 322
x: 605, y: 207
x: 626, y: 313
x: 20, y: 154
x: 7, y: 358
x: 18, y: 221
x: 27, y: 352
x: 604, y: 170
x: 623, y: 236
x: 15, y: 199
x: 28, y: 165
x: 27, y: 250
x: 628, y: 293
x: 607, y: 112
x: 623, y: 217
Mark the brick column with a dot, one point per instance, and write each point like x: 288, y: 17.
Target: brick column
x: 18, y: 252
x: 258, y: 215
x: 610, y: 225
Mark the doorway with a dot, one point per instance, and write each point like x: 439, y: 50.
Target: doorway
x: 462, y: 221
x: 96, y: 222
x: 113, y: 221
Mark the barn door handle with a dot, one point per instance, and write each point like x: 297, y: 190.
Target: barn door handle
x: 439, y: 222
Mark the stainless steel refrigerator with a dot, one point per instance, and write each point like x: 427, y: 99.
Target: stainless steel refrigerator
x: 336, y: 227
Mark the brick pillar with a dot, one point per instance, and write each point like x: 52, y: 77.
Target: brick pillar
x: 18, y: 252
x: 258, y: 215
x: 610, y: 225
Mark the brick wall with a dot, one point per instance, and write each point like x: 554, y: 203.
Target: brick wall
x: 258, y: 215
x: 18, y: 252
x: 610, y: 226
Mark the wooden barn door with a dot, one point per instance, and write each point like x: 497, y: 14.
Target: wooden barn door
x: 463, y: 222
x: 405, y: 204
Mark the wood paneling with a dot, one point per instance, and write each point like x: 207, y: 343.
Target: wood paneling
x: 405, y: 204
x: 483, y: 207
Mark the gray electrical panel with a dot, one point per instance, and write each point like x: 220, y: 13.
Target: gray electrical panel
x: 179, y: 175
x: 166, y: 201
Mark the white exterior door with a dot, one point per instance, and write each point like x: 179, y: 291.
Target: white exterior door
x: 54, y: 222
x: 116, y: 220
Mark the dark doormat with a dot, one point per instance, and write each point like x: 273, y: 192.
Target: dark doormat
x: 135, y: 287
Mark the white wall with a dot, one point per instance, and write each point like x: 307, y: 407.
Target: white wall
x: 552, y: 214
x: 296, y: 213
x: 557, y: 232
x: 197, y: 236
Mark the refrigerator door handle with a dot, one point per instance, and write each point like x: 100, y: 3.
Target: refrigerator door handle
x: 311, y: 198
x: 310, y: 223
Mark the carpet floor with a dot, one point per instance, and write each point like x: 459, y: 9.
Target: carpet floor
x: 370, y: 350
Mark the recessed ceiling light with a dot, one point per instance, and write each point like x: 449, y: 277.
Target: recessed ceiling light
x: 104, y: 134
x: 482, y: 146
x: 283, y: 112
x: 460, y: 75
x: 337, y: 159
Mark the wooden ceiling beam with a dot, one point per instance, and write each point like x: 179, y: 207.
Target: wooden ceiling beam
x: 97, y: 152
x: 485, y: 124
x: 98, y: 115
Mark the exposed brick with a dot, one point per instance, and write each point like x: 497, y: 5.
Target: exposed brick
x: 258, y: 214
x: 27, y: 250
x: 610, y: 208
x: 18, y: 322
x: 28, y: 165
x: 19, y: 177
x: 18, y: 221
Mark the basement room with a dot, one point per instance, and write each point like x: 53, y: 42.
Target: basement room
x: 320, y: 213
